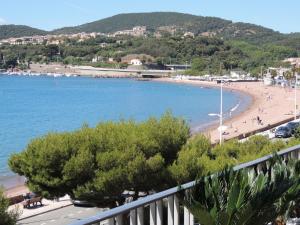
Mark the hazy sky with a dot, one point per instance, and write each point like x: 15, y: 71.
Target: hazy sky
x: 280, y: 15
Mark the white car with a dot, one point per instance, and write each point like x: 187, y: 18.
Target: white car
x: 294, y: 221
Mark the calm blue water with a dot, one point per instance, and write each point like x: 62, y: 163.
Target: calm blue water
x: 33, y: 106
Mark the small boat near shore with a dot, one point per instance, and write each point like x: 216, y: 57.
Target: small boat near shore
x: 143, y: 79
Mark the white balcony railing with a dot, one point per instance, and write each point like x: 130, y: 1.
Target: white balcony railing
x: 155, y: 203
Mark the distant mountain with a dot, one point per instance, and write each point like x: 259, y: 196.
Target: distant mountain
x: 7, y: 31
x: 185, y: 22
x: 209, y: 26
x: 151, y: 20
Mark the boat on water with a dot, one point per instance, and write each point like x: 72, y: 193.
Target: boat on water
x: 143, y: 79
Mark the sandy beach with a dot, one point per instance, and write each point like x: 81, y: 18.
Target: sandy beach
x: 271, y: 104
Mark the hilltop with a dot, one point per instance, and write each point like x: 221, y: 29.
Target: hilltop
x: 180, y: 21
x: 199, y: 25
x: 7, y: 31
x: 151, y: 20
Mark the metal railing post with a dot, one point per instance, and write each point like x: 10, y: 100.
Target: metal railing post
x: 176, y: 210
x: 159, y: 213
x: 186, y: 216
x: 140, y: 216
x: 171, y: 210
x: 152, y: 213
x: 191, y: 219
x: 111, y: 221
x: 133, y: 217
x: 119, y: 219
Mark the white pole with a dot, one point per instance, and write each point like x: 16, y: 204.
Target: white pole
x: 221, y: 113
x: 295, y: 110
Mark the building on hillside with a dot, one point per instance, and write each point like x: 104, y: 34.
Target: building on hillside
x: 238, y: 74
x: 136, y: 62
x: 169, y: 29
x: 189, y: 34
x: 208, y: 34
x: 278, y: 71
x: 293, y: 61
x: 97, y: 58
x: 137, y: 31
x: 143, y: 58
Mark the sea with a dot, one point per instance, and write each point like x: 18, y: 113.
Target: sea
x: 32, y: 106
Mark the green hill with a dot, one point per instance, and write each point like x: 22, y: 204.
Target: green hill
x: 184, y: 22
x: 199, y: 25
x: 8, y: 31
x: 127, y: 21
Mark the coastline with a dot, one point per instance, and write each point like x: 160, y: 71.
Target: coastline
x: 271, y: 104
x: 257, y: 93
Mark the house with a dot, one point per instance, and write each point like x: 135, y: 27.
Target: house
x: 132, y: 59
x: 293, y: 61
x: 136, y: 62
x: 189, y: 34
x: 97, y: 58
x: 238, y: 74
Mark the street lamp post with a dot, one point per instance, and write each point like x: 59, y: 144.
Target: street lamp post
x: 295, y: 91
x: 221, y: 112
x: 220, y: 115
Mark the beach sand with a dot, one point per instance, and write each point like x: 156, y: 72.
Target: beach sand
x: 272, y: 104
x: 15, y: 191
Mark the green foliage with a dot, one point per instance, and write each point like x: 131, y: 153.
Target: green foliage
x: 297, y: 133
x: 198, y: 158
x: 151, y: 20
x: 6, y: 217
x: 243, y: 197
x: 51, y: 50
x: 98, y: 164
x: 7, y: 31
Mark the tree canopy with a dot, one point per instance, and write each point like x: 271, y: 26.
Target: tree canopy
x: 198, y: 158
x: 7, y: 217
x: 100, y: 163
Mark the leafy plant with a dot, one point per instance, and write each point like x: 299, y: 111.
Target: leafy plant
x: 7, y: 217
x: 244, y: 197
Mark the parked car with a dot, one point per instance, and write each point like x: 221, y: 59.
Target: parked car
x: 294, y: 221
x: 83, y: 203
x: 283, y: 132
x: 293, y: 126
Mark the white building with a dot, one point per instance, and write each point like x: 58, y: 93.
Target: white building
x: 136, y: 62
x: 189, y: 34
x: 97, y: 58
x: 293, y: 61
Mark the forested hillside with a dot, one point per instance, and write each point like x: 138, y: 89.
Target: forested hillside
x: 199, y: 25
x: 7, y: 31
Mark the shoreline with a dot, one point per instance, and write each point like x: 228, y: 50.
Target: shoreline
x: 271, y: 104
x: 256, y: 102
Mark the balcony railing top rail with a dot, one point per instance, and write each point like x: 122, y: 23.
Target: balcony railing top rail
x: 169, y: 192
